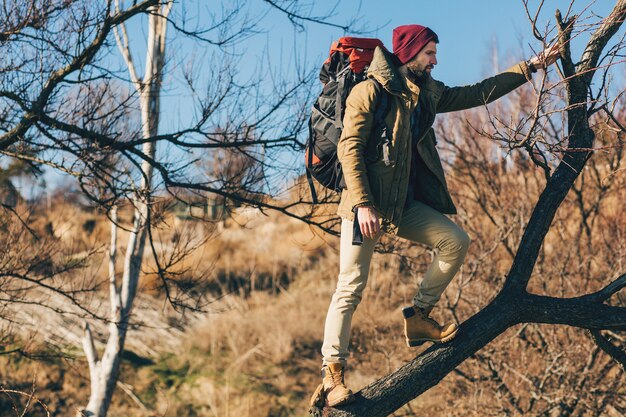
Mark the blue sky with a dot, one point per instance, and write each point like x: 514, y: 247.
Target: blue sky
x: 467, y: 30
x: 469, y: 33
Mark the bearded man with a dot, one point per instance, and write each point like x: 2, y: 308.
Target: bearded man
x: 398, y: 186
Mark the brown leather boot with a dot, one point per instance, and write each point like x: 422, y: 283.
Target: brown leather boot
x: 332, y: 391
x: 419, y: 328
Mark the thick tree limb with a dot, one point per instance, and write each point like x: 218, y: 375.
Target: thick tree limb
x: 575, y: 312
x: 565, y: 36
x: 599, y: 39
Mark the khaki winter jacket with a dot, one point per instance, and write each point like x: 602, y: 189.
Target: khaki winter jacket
x: 372, y: 181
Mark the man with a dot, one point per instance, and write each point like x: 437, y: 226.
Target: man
x: 400, y: 183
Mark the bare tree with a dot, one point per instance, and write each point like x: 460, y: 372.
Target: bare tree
x: 560, y: 367
x: 104, y: 371
x: 63, y: 100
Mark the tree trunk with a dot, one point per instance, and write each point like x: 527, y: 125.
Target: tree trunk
x: 104, y: 372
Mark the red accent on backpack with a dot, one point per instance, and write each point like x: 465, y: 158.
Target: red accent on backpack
x: 360, y: 51
x: 314, y: 158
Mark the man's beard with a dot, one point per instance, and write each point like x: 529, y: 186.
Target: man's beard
x: 421, y: 76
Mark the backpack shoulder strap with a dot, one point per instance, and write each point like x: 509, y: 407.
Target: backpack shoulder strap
x: 382, y: 107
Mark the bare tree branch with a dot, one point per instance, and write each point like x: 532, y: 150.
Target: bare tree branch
x: 619, y: 355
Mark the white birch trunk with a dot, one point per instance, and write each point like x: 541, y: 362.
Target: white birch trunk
x: 104, y: 371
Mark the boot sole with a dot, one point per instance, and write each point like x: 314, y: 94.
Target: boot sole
x: 318, y: 400
x: 341, y: 401
x: 419, y: 342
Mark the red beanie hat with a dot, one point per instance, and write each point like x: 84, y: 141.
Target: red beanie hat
x: 408, y: 40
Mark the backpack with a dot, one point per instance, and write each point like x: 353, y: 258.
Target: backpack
x: 345, y: 67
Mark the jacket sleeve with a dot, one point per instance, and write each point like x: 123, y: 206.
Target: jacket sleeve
x: 357, y: 126
x: 484, y: 92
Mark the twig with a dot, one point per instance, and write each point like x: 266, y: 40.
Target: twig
x: 618, y: 354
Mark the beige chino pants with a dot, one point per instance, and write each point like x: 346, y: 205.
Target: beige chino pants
x: 420, y: 223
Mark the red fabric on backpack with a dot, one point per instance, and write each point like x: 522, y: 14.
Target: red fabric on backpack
x: 359, y: 50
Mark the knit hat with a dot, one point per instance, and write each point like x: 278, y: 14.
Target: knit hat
x: 408, y: 40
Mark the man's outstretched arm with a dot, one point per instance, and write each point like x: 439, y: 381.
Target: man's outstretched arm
x: 491, y: 89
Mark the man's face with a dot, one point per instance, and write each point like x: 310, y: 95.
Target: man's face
x: 424, y: 61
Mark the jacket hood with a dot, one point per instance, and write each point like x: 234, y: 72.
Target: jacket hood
x: 383, y: 70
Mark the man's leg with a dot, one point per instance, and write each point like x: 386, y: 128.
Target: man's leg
x: 423, y: 224
x: 354, y: 264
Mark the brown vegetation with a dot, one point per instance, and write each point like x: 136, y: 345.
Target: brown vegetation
x: 256, y: 349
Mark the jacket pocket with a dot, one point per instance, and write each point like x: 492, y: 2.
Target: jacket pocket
x: 380, y: 178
